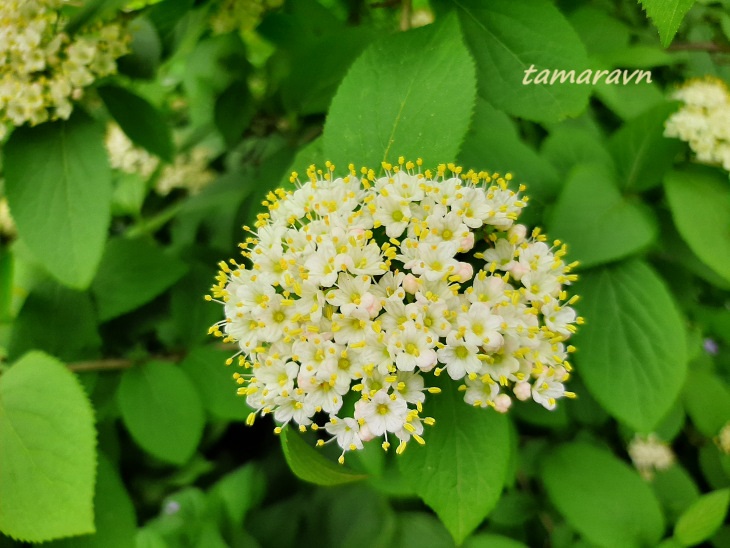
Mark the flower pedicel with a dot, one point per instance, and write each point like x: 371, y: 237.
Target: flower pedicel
x: 371, y: 284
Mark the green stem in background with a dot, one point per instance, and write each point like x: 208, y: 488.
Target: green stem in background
x: 710, y: 47
x: 405, y: 14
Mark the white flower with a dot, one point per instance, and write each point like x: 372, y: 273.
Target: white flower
x: 346, y: 432
x: 459, y: 356
x: 382, y: 413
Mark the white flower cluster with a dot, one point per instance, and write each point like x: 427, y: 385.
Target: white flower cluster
x: 364, y: 285
x: 42, y: 69
x: 649, y: 454
x: 703, y: 121
x: 189, y: 171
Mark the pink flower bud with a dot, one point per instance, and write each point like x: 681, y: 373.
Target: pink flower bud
x: 466, y: 243
x: 464, y: 271
x: 502, y: 403
x: 522, y: 391
x: 410, y: 284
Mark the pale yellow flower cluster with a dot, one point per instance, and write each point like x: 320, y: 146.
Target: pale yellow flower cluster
x: 703, y: 121
x: 7, y: 224
x: 240, y: 15
x: 42, y: 68
x: 189, y: 171
x: 650, y: 454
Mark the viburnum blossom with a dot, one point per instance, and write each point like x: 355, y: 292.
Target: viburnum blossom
x: 703, y: 121
x: 189, y: 170
x: 42, y: 68
x: 649, y: 454
x: 369, y: 285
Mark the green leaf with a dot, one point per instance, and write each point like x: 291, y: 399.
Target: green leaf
x: 449, y: 472
x: 666, y: 16
x: 318, y: 67
x: 641, y: 151
x: 598, y: 223
x: 214, y: 381
x: 58, y: 185
x: 210, y: 68
x: 358, y: 516
x: 700, y: 521
x: 602, y: 497
x: 494, y: 144
x: 568, y: 146
x: 675, y: 489
x: 116, y: 523
x: 599, y: 31
x: 509, y: 38
x: 234, y: 109
x: 239, y: 491
x: 141, y: 121
x: 700, y: 203
x: 629, y: 102
x: 132, y: 273
x: 145, y: 46
x: 91, y: 11
x: 386, y: 107
x: 6, y: 284
x: 48, y: 457
x: 310, y: 465
x: 418, y: 529
x: 707, y: 400
x: 632, y: 353
x: 490, y: 540
x: 190, y: 313
x: 68, y: 321
x: 162, y: 411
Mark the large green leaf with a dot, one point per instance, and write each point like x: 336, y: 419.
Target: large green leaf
x: 131, y: 273
x: 48, y: 456
x: 597, y: 222
x: 666, y: 16
x: 568, y: 146
x: 490, y: 540
x: 507, y: 39
x: 68, y: 321
x: 238, y: 492
x: 707, y: 400
x: 58, y: 185
x: 632, y: 353
x: 494, y: 144
x: 310, y: 465
x: 675, y: 489
x: 602, y: 497
x: 418, y: 529
x: 141, y: 121
x: 700, y: 203
x: 641, y: 151
x: 700, y: 521
x: 162, y: 410
x: 214, y: 381
x: 462, y: 468
x: 114, y: 518
x: 386, y: 106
